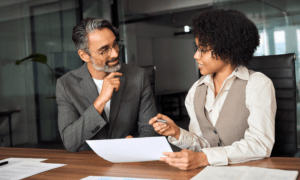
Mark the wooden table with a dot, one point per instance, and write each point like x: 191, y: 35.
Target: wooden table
x: 87, y: 163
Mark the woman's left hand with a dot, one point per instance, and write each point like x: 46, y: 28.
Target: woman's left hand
x: 185, y: 159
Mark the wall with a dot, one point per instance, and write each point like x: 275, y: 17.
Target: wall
x: 17, y: 88
x: 151, y: 44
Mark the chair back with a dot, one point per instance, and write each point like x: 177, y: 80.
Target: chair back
x: 150, y: 70
x: 281, y: 70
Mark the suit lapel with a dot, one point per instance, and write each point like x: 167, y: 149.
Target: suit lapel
x: 115, y: 101
x: 87, y: 84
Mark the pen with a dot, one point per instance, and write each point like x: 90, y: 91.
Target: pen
x: 162, y: 121
x: 3, y: 163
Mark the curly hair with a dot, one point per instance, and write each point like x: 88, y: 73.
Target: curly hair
x: 230, y: 35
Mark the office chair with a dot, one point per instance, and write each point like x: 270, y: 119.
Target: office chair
x: 281, y: 70
x: 150, y: 70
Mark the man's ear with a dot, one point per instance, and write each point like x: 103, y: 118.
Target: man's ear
x: 84, y: 56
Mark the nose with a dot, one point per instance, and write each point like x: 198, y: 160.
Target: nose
x: 197, y: 55
x: 114, y: 53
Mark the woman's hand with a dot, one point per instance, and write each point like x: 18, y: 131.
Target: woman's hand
x: 165, y: 129
x: 185, y: 159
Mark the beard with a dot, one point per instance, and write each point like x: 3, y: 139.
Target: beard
x: 106, y: 68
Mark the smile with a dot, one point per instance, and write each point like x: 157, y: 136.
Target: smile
x: 114, y: 62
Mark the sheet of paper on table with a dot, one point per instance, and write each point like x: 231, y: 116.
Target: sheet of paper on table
x: 115, y: 178
x: 130, y: 150
x: 244, y: 173
x: 13, y: 161
x: 18, y: 169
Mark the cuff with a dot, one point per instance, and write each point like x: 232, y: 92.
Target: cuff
x: 184, y: 140
x: 93, y: 118
x: 216, y: 156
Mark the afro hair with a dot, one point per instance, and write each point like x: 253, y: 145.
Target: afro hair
x: 230, y: 35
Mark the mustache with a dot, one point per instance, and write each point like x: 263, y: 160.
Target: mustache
x: 112, y: 60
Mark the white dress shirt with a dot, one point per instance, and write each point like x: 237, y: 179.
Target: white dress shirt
x: 259, y: 137
x: 99, y: 84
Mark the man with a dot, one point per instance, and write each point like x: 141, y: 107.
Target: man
x: 103, y: 99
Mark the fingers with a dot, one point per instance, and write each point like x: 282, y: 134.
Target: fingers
x: 113, y: 83
x: 175, y: 160
x: 158, y: 116
x: 174, y: 154
x: 153, y: 120
x: 164, y: 117
x: 113, y: 74
x: 129, y: 136
x: 180, y: 163
x: 163, y: 131
x: 182, y: 166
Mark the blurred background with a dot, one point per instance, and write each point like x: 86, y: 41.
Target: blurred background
x: 156, y: 32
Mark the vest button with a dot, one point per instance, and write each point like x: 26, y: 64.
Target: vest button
x: 215, y: 132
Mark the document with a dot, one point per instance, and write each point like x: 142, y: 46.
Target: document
x: 25, y: 169
x: 130, y: 150
x: 12, y: 161
x: 244, y: 173
x: 114, y: 178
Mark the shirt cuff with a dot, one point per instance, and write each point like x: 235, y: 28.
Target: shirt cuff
x: 216, y: 156
x: 184, y: 140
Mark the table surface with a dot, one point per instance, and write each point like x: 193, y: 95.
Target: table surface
x: 87, y: 163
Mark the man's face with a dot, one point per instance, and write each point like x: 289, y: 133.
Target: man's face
x: 103, y: 55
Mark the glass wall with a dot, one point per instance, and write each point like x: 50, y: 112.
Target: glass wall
x: 38, y: 34
x: 278, y: 23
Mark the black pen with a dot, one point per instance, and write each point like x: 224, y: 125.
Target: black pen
x: 3, y: 163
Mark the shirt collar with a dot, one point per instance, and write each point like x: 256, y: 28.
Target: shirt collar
x: 241, y: 72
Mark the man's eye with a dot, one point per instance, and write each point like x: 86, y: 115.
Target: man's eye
x: 104, y: 51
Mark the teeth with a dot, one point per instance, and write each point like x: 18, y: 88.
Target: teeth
x: 200, y: 65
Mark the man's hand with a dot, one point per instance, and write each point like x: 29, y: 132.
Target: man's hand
x: 110, y: 84
x: 165, y: 129
x: 185, y: 159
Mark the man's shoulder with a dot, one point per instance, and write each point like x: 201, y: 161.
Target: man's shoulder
x: 73, y: 75
x: 132, y: 70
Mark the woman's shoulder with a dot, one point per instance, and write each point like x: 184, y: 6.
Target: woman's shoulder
x: 257, y: 76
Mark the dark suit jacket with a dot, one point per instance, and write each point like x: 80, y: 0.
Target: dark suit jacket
x: 131, y: 107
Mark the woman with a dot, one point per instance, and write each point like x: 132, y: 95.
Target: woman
x: 232, y: 109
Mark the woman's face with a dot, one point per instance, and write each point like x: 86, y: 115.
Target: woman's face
x: 206, y: 63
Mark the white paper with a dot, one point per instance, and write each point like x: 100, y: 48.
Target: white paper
x: 13, y: 161
x: 265, y: 174
x: 221, y: 173
x: 244, y: 173
x: 115, y: 178
x: 130, y: 150
x: 25, y: 169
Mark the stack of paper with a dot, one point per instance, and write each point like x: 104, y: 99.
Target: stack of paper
x: 19, y: 168
x: 130, y: 150
x: 244, y: 173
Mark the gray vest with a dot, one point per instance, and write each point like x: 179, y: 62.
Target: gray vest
x: 232, y: 121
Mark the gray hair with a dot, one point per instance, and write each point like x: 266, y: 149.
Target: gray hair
x: 81, y: 30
